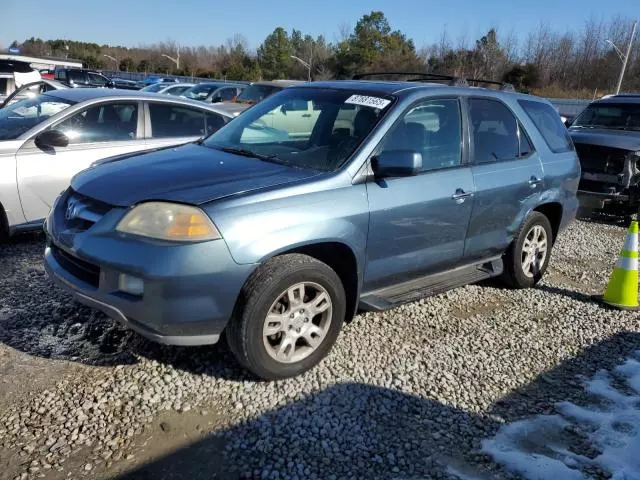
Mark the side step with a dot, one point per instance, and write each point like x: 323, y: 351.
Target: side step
x: 429, y: 285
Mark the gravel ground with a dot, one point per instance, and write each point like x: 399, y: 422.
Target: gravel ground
x: 408, y: 393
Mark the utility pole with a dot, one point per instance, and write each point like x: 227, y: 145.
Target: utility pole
x: 624, y: 57
x: 115, y: 60
x: 305, y: 64
x: 174, y: 60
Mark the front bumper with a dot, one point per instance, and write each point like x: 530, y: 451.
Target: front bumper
x: 190, y: 290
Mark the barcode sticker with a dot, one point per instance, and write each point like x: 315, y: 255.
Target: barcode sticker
x: 367, y: 101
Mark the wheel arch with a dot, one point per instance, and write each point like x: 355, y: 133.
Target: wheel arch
x: 553, y: 211
x: 341, y: 258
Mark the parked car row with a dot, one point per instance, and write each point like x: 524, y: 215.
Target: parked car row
x: 275, y: 225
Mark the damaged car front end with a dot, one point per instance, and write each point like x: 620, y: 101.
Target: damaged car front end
x: 607, y: 139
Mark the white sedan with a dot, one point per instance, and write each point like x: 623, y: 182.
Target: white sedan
x: 47, y: 139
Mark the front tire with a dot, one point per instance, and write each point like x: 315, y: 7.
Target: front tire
x: 288, y: 317
x: 527, y: 258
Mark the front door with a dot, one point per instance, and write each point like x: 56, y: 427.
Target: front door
x: 296, y: 117
x: 98, y: 132
x: 507, y: 174
x: 418, y: 224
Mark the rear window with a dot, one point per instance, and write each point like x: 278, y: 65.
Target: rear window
x: 549, y: 124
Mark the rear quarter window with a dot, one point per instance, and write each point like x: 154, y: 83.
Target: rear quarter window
x: 548, y: 123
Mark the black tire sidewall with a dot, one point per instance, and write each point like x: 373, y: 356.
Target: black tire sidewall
x: 516, y: 275
x: 259, y: 302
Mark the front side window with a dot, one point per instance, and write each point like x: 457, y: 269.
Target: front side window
x: 77, y: 77
x: 176, y: 90
x: 256, y: 93
x: 616, y: 116
x: 494, y: 130
x: 200, y: 92
x: 155, y: 88
x: 175, y: 121
x: 322, y: 140
x: 108, y: 122
x: 21, y: 116
x: 433, y: 129
x: 548, y: 122
x: 96, y: 79
x: 227, y: 94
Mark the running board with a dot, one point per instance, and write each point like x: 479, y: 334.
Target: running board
x: 429, y: 285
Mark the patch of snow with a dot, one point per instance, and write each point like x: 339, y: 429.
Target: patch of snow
x: 541, y: 447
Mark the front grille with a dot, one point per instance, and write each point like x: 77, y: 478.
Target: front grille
x: 599, y: 159
x: 81, y: 212
x: 85, y: 271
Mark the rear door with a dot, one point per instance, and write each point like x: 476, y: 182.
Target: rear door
x: 173, y: 124
x: 96, y: 132
x: 507, y: 174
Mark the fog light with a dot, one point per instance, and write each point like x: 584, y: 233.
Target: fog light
x: 131, y: 285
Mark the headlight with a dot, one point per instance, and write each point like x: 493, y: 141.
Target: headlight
x: 169, y: 221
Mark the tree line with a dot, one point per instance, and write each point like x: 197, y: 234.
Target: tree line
x: 568, y: 63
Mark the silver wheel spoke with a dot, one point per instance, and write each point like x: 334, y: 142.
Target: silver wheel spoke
x: 286, y: 348
x: 273, y: 324
x: 313, y: 335
x: 296, y: 295
x: 319, y: 304
x: 542, y: 245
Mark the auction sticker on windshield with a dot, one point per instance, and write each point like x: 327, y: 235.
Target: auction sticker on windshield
x: 367, y: 101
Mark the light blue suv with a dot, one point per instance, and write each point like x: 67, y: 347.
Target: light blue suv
x: 393, y: 191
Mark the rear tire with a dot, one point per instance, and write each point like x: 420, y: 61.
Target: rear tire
x: 524, y: 261
x: 4, y: 225
x: 288, y: 317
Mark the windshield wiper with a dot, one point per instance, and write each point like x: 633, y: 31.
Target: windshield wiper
x: 248, y: 153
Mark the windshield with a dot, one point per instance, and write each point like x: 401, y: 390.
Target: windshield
x: 200, y: 92
x: 156, y: 87
x: 619, y: 116
x: 256, y: 93
x: 19, y: 117
x: 309, y: 128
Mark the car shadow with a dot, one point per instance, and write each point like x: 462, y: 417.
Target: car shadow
x: 348, y: 429
x: 39, y: 319
x: 602, y: 218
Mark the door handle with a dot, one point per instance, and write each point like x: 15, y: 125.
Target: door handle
x: 461, y: 195
x: 534, y: 181
x: 306, y: 115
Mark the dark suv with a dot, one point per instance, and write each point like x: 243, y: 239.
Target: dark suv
x: 607, y: 137
x: 380, y: 193
x: 79, y: 77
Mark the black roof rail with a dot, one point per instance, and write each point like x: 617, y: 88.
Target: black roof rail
x: 503, y: 85
x: 419, y: 77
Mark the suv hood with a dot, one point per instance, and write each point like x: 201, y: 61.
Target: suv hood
x: 624, y: 139
x: 188, y: 174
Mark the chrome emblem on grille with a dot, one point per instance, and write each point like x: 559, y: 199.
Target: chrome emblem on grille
x: 72, y: 209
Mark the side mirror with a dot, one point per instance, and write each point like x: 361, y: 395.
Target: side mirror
x: 397, y: 163
x: 52, y: 138
x: 216, y: 99
x: 284, y: 109
x: 566, y: 121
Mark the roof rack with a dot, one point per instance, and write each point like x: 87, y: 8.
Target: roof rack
x: 420, y: 77
x: 503, y: 85
x: 452, y: 80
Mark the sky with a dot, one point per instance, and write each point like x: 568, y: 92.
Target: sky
x: 200, y: 22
